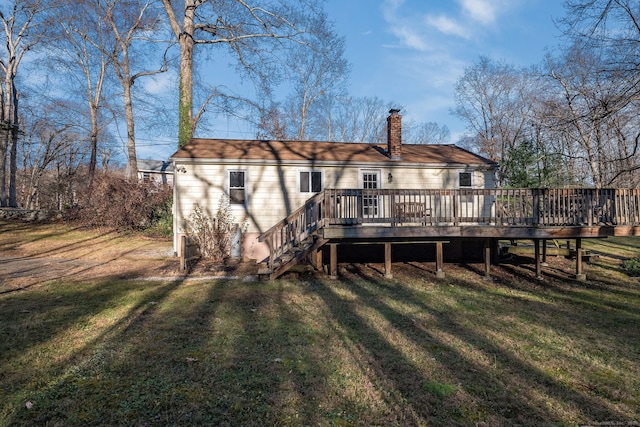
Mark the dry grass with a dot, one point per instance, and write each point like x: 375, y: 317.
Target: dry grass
x: 306, y: 350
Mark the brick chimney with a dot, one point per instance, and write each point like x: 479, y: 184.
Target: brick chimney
x: 394, y: 135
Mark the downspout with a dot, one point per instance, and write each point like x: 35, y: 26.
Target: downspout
x: 174, y: 209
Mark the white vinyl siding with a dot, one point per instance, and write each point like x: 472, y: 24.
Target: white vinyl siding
x: 273, y: 191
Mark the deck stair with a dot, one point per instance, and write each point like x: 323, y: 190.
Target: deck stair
x: 295, y: 255
x: 294, y: 238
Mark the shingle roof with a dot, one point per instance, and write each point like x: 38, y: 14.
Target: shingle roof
x: 154, y: 166
x: 233, y: 149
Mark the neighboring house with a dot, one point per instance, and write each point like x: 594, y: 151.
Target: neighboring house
x: 268, y: 180
x: 156, y: 171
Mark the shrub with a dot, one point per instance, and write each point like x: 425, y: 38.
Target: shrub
x: 632, y: 266
x: 212, y: 235
x: 125, y: 204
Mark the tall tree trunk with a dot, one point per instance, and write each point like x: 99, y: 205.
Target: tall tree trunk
x: 185, y: 113
x: 13, y: 169
x: 8, y: 138
x: 4, y: 145
x: 127, y: 82
x: 93, y: 159
x: 13, y: 155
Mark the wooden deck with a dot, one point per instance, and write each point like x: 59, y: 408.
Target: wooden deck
x: 339, y: 216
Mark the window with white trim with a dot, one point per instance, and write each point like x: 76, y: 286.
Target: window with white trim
x: 237, y: 187
x: 464, y: 179
x: 310, y: 181
x: 464, y: 182
x: 370, y: 202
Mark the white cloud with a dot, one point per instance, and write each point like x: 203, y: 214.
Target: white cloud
x: 483, y: 11
x: 410, y: 37
x: 487, y: 12
x: 447, y: 26
x: 389, y: 9
x: 160, y: 83
x: 405, y: 29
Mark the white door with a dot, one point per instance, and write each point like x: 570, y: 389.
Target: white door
x: 371, y: 201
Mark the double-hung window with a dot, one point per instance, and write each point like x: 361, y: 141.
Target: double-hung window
x: 237, y: 187
x: 310, y: 181
x: 464, y: 181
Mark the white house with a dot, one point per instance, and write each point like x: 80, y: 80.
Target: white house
x: 268, y: 180
x: 158, y: 171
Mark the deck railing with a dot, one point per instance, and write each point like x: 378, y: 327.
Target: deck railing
x: 294, y: 229
x: 490, y: 207
x: 516, y: 207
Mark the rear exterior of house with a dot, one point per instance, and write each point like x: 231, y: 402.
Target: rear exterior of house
x: 266, y: 181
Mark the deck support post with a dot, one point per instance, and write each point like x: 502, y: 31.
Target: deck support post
x: 387, y: 261
x: 439, y: 261
x: 487, y: 257
x: 315, y: 258
x: 536, y: 246
x: 183, y: 252
x: 333, y: 260
x: 544, y: 251
x: 580, y: 276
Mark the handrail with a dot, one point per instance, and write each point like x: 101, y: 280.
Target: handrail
x: 295, y: 228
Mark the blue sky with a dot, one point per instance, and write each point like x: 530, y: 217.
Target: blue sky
x: 412, y: 52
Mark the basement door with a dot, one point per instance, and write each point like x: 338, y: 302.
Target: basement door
x: 371, y: 199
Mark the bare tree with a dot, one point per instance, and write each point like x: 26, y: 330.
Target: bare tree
x: 83, y: 43
x: 272, y: 125
x: 43, y: 146
x: 127, y: 20
x: 427, y: 133
x: 607, y: 32
x: 590, y: 112
x: 611, y: 26
x: 22, y: 31
x: 251, y: 29
x: 494, y: 98
x: 360, y: 119
x: 317, y: 69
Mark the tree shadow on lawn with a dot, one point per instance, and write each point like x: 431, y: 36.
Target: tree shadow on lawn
x: 503, y: 393
x: 64, y: 246
x: 30, y: 232
x: 607, y: 246
x: 575, y: 304
x: 299, y: 351
x: 556, y: 279
x: 44, y: 338
x: 218, y: 353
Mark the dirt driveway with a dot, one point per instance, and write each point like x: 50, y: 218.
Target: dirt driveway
x: 36, y: 253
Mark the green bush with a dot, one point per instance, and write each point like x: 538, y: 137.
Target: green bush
x: 162, y: 221
x: 632, y: 266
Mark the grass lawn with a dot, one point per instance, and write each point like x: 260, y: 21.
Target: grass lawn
x: 305, y: 350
